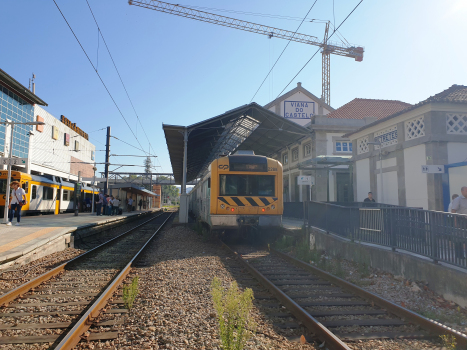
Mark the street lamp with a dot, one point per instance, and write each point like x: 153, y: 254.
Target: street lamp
x: 378, y: 143
x: 7, y: 197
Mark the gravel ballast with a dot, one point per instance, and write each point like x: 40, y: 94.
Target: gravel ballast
x: 174, y: 308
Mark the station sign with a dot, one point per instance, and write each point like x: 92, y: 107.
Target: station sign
x: 306, y: 180
x: 299, y: 109
x: 13, y: 161
x: 433, y: 169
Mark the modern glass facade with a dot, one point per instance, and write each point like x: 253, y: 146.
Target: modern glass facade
x: 18, y: 110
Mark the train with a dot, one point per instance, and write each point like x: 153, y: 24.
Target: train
x: 239, y: 191
x: 46, y: 194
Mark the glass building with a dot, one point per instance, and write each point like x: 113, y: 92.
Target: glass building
x: 17, y: 105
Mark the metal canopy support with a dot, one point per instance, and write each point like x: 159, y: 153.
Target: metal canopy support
x: 183, y: 212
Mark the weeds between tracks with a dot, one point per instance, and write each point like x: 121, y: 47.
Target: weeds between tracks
x: 233, y: 313
x: 130, y: 291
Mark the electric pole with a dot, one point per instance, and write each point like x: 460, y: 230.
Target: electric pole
x: 107, y: 161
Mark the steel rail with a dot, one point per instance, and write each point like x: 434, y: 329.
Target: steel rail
x: 427, y: 324
x: 73, y: 337
x: 26, y: 287
x: 323, y: 333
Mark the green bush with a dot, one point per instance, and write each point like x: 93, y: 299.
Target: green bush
x: 284, y: 242
x: 233, y: 313
x: 130, y: 291
x: 449, y: 341
x: 304, y: 253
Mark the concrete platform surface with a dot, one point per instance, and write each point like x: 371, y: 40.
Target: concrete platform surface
x: 36, y: 231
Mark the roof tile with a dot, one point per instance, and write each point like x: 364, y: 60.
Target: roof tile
x: 360, y: 108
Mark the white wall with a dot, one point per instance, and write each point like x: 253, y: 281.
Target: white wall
x: 457, y: 179
x: 362, y: 179
x: 457, y: 152
x: 416, y: 185
x: 390, y: 187
x: 48, y: 153
x: 330, y: 144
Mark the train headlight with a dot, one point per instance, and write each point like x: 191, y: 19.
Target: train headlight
x: 273, y: 206
x: 262, y: 209
x: 222, y: 206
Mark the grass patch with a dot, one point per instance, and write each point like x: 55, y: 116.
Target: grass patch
x: 233, y: 314
x: 130, y: 291
x: 449, y: 341
x: 284, y: 242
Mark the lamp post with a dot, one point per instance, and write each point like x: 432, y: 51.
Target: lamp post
x: 378, y: 143
x: 7, y: 194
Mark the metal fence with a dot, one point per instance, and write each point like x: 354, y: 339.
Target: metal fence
x: 438, y: 235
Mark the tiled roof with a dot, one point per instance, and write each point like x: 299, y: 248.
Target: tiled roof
x: 360, y: 108
x: 454, y: 94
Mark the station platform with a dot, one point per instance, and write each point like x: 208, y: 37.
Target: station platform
x: 38, y: 231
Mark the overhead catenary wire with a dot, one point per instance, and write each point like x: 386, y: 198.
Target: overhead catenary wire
x: 120, y: 77
x: 288, y: 43
x: 102, y: 81
x: 335, y: 30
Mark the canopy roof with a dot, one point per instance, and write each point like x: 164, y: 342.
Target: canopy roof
x: 249, y: 127
x: 330, y: 161
x: 131, y: 187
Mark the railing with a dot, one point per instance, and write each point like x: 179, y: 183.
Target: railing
x: 438, y: 235
x: 365, y: 205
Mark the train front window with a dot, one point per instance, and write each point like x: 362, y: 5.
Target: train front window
x: 247, y: 185
x: 3, y: 185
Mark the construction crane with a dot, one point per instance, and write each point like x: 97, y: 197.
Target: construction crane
x: 327, y: 47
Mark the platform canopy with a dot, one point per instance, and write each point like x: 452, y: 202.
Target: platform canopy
x: 249, y: 127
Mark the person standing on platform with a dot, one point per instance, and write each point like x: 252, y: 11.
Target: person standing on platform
x: 18, y: 200
x: 88, y: 204
x: 454, y: 196
x: 140, y: 203
x: 369, y: 201
x: 130, y: 204
x: 99, y: 204
x: 115, y: 206
x: 459, y: 205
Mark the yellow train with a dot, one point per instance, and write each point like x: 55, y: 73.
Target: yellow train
x: 239, y: 190
x: 45, y: 194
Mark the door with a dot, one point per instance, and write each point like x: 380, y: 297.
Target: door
x: 57, y: 201
x: 343, y: 187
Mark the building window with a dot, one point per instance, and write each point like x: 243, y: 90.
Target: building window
x: 285, y: 158
x: 92, y: 155
x: 307, y: 149
x: 295, y: 154
x: 362, y: 145
x: 456, y: 123
x: 415, y: 128
x: 76, y: 146
x: 343, y: 146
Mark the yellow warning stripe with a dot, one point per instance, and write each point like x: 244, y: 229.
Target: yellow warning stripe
x: 26, y: 239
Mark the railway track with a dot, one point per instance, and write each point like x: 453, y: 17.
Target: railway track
x: 333, y: 310
x: 57, y: 309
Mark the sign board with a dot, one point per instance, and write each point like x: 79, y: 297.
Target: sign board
x: 13, y: 161
x: 299, y: 109
x: 306, y: 180
x: 97, y: 179
x: 54, y: 132
x: 433, y: 169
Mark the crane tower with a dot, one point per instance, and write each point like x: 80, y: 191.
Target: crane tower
x: 327, y: 47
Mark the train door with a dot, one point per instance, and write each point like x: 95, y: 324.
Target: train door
x: 57, y: 201
x: 35, y: 197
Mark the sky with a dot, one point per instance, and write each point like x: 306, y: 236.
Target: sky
x: 181, y: 71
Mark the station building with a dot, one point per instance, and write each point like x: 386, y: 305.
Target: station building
x: 423, y: 150
x: 16, y: 104
x: 58, y: 148
x: 325, y: 154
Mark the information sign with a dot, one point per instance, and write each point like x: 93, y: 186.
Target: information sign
x: 433, y: 169
x: 306, y: 180
x: 299, y: 109
x: 13, y: 161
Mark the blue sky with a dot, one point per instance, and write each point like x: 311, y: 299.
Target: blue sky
x: 181, y: 71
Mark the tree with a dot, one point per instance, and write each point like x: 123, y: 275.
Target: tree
x: 148, y: 165
x: 170, y: 191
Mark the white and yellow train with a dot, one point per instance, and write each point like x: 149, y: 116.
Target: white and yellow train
x: 45, y: 194
x: 239, y: 190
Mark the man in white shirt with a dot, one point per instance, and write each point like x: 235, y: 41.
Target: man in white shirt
x: 130, y: 204
x: 459, y: 205
x: 116, y: 204
x: 18, y: 199
x: 454, y: 196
